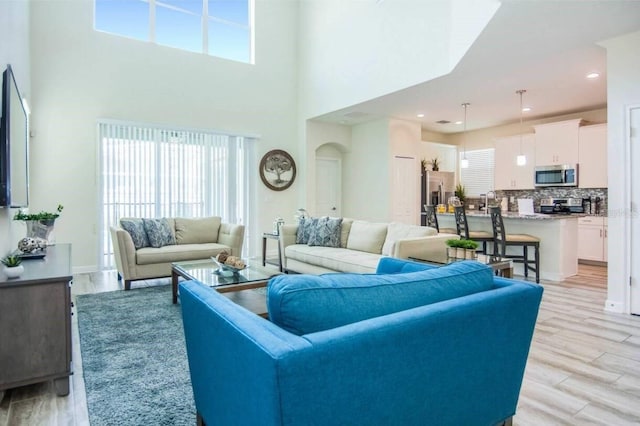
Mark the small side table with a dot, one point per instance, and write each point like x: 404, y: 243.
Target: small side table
x: 269, y: 236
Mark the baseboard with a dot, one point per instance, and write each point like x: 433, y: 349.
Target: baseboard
x: 592, y: 262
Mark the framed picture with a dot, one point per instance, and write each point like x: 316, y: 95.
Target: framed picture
x: 277, y: 170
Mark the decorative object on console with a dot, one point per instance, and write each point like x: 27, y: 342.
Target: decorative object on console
x: 435, y: 164
x: 40, y: 225
x: 30, y: 245
x: 521, y: 160
x: 276, y: 225
x: 12, y: 266
x: 277, y: 170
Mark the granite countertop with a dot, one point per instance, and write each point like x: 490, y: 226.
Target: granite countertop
x: 515, y: 215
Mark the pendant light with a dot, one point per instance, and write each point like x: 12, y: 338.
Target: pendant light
x: 464, y: 163
x: 521, y: 160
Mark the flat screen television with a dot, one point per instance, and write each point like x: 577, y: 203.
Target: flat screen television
x: 14, y: 145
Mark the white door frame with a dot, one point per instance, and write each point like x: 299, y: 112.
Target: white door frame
x: 338, y: 163
x: 632, y: 212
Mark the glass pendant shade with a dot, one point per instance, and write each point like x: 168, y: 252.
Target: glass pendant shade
x: 464, y: 163
x: 521, y: 160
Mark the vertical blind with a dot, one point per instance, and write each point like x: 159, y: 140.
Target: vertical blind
x: 478, y: 177
x: 150, y: 171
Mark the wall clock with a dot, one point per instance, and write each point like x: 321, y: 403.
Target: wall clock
x: 277, y: 170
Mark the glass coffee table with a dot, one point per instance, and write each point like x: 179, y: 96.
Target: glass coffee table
x: 500, y: 265
x: 234, y: 286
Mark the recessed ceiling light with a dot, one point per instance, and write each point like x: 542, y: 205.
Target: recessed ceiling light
x: 420, y: 115
x: 458, y: 122
x: 593, y: 75
x: 526, y: 109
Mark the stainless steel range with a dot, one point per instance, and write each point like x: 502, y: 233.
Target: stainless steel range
x: 561, y: 205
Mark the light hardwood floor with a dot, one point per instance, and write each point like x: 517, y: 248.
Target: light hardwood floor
x: 583, y: 369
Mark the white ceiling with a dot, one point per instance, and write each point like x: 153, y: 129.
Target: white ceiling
x: 545, y: 47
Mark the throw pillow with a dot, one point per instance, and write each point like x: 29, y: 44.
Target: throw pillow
x: 135, y: 228
x: 305, y: 226
x: 197, y: 230
x: 159, y: 232
x: 367, y: 236
x: 326, y: 233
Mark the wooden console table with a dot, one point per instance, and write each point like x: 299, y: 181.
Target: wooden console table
x: 35, y: 322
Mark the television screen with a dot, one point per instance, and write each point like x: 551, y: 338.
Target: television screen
x: 14, y: 145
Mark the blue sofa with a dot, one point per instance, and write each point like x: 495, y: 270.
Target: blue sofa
x: 409, y: 345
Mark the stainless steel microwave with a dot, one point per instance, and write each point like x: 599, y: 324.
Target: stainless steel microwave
x: 557, y: 175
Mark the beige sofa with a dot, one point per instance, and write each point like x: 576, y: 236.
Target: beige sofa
x: 195, y: 239
x: 362, y: 244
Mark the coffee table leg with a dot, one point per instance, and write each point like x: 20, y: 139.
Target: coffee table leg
x: 174, y: 286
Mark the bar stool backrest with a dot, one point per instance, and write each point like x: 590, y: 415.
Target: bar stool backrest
x: 499, y: 234
x: 461, y: 222
x: 432, y: 219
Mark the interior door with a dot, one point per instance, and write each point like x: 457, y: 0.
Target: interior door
x: 635, y: 200
x: 406, y: 195
x: 328, y: 187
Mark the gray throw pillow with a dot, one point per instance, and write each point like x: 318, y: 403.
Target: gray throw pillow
x: 159, y: 232
x: 135, y: 228
x: 305, y: 226
x: 326, y: 233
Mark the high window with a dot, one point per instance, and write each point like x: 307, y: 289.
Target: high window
x: 478, y: 177
x: 222, y: 28
x: 152, y: 172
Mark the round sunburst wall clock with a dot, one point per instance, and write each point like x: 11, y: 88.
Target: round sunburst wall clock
x: 277, y: 170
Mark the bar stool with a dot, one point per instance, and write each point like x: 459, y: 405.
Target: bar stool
x: 462, y: 229
x: 432, y: 220
x: 502, y: 240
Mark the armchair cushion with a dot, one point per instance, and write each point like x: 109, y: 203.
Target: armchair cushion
x: 198, y: 230
x: 305, y: 304
x: 159, y: 232
x: 135, y: 228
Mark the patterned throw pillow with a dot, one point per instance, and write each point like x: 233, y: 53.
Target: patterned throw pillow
x: 135, y: 228
x: 159, y: 232
x: 305, y: 226
x: 326, y: 233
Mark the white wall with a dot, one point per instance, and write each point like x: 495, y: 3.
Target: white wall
x: 366, y: 174
x: 352, y: 51
x: 404, y: 141
x: 623, y: 90
x: 14, y: 50
x: 80, y: 75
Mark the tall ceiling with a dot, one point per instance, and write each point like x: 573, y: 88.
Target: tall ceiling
x: 546, y: 47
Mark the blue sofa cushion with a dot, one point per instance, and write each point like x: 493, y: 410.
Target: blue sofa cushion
x: 305, y: 304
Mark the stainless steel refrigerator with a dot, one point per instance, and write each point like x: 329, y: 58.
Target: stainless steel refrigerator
x: 440, y: 186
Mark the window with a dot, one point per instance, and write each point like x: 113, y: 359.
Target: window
x: 157, y: 172
x: 222, y: 28
x: 478, y: 177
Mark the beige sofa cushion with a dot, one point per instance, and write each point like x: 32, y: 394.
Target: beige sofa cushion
x: 197, y: 231
x: 398, y: 231
x: 344, y: 231
x: 178, y: 253
x: 367, y: 236
x: 334, y: 258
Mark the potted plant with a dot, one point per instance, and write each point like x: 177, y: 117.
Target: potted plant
x: 460, y: 193
x: 454, y: 246
x: 470, y: 247
x: 12, y: 266
x: 39, y: 225
x: 435, y: 164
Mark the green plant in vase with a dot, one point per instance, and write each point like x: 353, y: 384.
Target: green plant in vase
x: 39, y: 225
x: 435, y: 164
x: 12, y: 266
x: 460, y: 193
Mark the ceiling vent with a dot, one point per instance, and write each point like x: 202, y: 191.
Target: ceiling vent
x: 443, y: 122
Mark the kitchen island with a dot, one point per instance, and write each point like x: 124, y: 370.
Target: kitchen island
x: 558, y: 236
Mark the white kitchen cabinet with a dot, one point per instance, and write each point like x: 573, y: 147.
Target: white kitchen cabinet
x: 557, y: 143
x: 592, y: 155
x: 507, y: 174
x: 592, y: 238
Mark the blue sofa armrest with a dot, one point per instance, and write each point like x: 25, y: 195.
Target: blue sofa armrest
x: 392, y: 265
x: 232, y: 356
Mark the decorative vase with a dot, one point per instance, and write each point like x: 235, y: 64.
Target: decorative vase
x: 41, y: 229
x: 470, y: 254
x: 460, y: 253
x: 14, y: 271
x: 451, y: 252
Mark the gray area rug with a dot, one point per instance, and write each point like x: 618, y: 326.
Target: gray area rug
x: 134, y: 358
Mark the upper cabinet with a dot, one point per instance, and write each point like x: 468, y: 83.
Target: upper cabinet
x: 592, y: 171
x: 557, y: 143
x: 508, y: 175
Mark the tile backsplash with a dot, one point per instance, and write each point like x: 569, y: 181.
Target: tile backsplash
x: 538, y: 194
